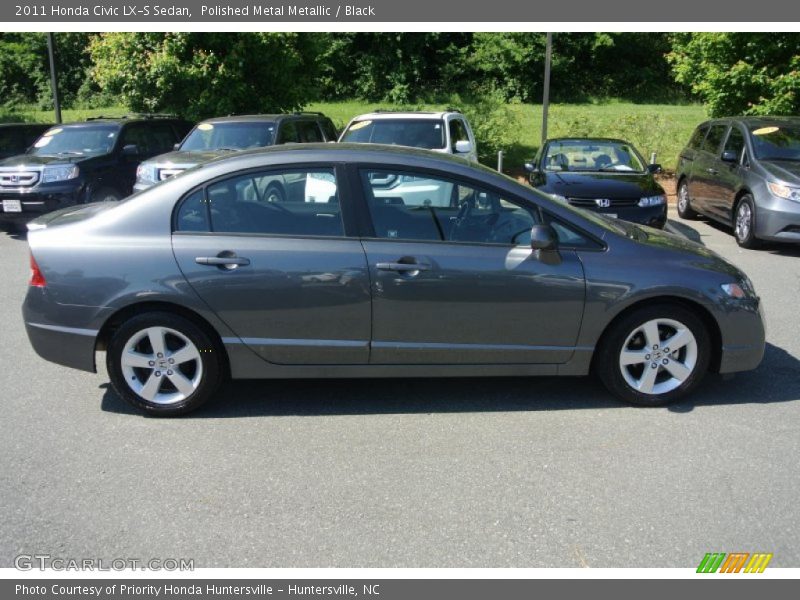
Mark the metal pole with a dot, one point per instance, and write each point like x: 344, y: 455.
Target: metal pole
x: 499, y: 161
x: 53, y: 79
x: 546, y: 95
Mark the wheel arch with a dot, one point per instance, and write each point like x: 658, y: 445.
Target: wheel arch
x: 113, y: 322
x: 705, y: 315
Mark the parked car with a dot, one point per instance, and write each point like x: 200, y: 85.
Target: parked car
x: 446, y: 131
x: 16, y: 138
x: 604, y: 175
x: 213, y: 137
x: 216, y: 278
x: 744, y: 172
x: 76, y: 163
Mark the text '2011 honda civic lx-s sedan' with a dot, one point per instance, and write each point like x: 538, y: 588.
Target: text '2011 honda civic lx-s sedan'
x: 352, y: 271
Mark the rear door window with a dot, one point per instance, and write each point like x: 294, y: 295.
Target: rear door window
x: 714, y: 138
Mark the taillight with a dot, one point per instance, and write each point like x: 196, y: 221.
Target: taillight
x: 37, y: 279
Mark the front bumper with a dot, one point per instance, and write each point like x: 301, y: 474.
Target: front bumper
x: 652, y: 216
x: 778, y: 220
x: 743, y: 337
x: 38, y: 202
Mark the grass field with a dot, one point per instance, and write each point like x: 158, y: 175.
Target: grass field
x: 659, y: 128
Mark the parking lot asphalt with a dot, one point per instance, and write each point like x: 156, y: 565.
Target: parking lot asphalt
x: 408, y: 473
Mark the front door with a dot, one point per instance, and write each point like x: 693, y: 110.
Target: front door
x: 276, y: 267
x: 459, y: 283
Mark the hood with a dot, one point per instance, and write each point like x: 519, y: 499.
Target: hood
x: 601, y: 185
x: 187, y: 158
x: 785, y: 170
x: 69, y: 215
x: 35, y: 160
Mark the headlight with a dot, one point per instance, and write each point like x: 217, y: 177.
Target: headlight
x: 652, y: 201
x: 62, y: 173
x: 742, y: 289
x: 784, y: 191
x: 145, y: 172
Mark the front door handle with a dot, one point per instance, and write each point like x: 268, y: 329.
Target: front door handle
x: 401, y: 267
x: 223, y: 260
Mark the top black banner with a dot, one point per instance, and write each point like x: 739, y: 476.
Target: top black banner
x: 387, y: 11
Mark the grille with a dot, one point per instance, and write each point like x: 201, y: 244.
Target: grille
x: 167, y: 173
x: 615, y: 202
x: 18, y: 178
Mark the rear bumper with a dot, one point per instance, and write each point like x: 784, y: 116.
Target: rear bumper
x: 68, y: 346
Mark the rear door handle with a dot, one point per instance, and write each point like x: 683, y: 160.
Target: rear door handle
x: 223, y: 261
x: 402, y: 267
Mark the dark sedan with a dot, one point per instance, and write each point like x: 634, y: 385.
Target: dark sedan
x: 209, y: 274
x: 607, y: 176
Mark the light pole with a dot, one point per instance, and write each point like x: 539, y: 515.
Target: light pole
x: 548, y: 54
x: 53, y: 79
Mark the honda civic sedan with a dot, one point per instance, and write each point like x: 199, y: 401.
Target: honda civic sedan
x: 348, y: 273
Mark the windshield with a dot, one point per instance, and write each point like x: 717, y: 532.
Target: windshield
x: 776, y: 142
x: 78, y: 141
x: 417, y: 133
x: 592, y: 155
x: 232, y: 136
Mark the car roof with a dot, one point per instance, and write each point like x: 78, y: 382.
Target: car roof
x: 406, y: 114
x: 754, y: 121
x: 588, y: 139
x: 264, y: 118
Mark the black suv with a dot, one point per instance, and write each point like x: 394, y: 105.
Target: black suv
x: 213, y: 137
x: 76, y: 163
x: 16, y: 138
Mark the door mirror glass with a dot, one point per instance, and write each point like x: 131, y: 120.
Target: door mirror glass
x: 543, y: 237
x: 463, y: 146
x: 729, y: 156
x: 654, y: 168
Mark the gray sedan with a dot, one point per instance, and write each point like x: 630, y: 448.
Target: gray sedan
x: 369, y: 261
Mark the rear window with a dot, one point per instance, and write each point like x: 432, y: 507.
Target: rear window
x: 416, y: 133
x: 696, y: 141
x: 714, y: 138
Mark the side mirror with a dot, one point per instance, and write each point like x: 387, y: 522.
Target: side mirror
x: 130, y: 150
x: 530, y: 167
x: 654, y: 168
x: 543, y: 237
x: 463, y: 146
x: 176, y: 146
x: 729, y: 156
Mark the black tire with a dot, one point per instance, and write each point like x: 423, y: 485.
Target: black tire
x: 211, y: 364
x: 609, y: 351
x: 745, y: 234
x: 685, y: 210
x: 106, y: 194
x: 275, y: 193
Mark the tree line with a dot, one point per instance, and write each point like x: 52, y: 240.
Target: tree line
x: 204, y: 74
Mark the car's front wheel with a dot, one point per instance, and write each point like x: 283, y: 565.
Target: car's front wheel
x: 744, y: 223
x: 163, y: 364
x: 654, y: 355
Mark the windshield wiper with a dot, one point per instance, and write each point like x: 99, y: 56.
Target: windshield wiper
x: 69, y: 153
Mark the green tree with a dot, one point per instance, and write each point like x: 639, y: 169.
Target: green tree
x: 199, y: 75
x: 734, y: 73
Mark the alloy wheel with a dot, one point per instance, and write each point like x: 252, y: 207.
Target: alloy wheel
x: 744, y: 221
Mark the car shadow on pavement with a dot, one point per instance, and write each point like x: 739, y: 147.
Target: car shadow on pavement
x: 776, y: 380
x: 786, y: 249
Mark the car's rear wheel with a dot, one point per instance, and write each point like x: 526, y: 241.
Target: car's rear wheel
x: 744, y: 223
x: 684, y: 202
x: 654, y: 355
x: 163, y: 364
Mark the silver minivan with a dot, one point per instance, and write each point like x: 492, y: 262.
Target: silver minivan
x: 744, y: 172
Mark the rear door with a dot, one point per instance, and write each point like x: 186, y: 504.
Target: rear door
x: 457, y: 282
x: 706, y: 169
x: 729, y: 175
x: 279, y: 271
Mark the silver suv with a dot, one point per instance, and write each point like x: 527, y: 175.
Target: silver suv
x: 446, y: 131
x: 744, y: 172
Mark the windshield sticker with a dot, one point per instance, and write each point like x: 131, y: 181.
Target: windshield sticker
x: 53, y: 131
x: 359, y: 125
x: 765, y: 130
x: 205, y: 127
